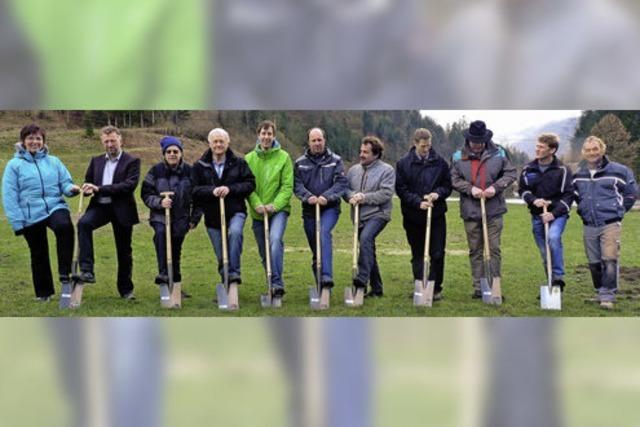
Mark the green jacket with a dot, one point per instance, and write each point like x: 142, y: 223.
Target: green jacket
x: 274, y: 178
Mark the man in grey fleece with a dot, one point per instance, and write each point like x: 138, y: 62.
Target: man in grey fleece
x: 481, y: 169
x: 371, y: 185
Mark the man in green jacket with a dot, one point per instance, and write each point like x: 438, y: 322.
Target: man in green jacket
x: 272, y: 167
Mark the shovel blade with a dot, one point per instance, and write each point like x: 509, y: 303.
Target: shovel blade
x: 496, y: 292
x: 419, y: 293
x: 76, y: 295
x: 265, y: 300
x: 486, y: 290
x: 65, y: 295
x: 428, y: 299
x: 234, y: 303
x: 325, y: 298
x: 358, y: 298
x: 348, y: 296
x: 223, y: 297
x: 550, y: 298
x: 165, y: 296
x: 176, y: 295
x: 314, y: 298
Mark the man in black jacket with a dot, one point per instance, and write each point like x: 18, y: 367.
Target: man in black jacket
x: 423, y: 180
x: 547, y: 182
x: 220, y: 173
x: 111, y: 178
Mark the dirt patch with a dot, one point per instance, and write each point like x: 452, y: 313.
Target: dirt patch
x: 629, y: 286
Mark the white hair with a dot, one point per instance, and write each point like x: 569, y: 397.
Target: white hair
x: 218, y: 132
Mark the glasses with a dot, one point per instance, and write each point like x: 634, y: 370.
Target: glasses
x: 172, y: 152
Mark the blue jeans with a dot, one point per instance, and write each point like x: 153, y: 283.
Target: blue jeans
x: 328, y: 220
x: 277, y: 225
x: 368, y: 270
x: 556, y: 228
x: 234, y: 245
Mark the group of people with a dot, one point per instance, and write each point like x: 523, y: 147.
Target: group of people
x: 35, y: 183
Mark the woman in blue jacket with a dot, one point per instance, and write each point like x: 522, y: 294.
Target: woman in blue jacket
x: 33, y: 189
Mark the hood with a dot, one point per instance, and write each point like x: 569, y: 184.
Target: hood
x: 22, y: 153
x: 274, y: 147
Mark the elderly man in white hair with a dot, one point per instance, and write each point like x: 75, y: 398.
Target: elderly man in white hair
x: 221, y: 174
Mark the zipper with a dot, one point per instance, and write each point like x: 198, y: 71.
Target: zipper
x: 41, y: 185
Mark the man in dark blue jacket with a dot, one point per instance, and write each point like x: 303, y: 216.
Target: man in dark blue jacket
x: 605, y: 191
x: 423, y: 180
x: 547, y: 182
x: 319, y: 180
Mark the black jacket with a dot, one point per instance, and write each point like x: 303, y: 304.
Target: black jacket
x: 125, y: 181
x: 555, y: 184
x: 161, y: 178
x: 236, y: 175
x: 415, y: 178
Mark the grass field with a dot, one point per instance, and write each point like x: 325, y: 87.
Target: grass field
x: 522, y: 270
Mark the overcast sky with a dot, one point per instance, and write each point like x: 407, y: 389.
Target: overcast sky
x: 502, y: 121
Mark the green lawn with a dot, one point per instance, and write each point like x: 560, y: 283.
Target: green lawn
x: 522, y: 270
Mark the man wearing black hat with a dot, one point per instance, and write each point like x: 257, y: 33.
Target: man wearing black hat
x: 172, y: 174
x: 481, y: 169
x: 111, y: 178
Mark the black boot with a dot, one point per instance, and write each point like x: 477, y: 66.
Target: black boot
x: 596, y: 275
x: 610, y: 274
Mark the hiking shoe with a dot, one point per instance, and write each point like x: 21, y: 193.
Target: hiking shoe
x: 87, y: 277
x: 607, y: 305
x: 129, y: 296
x: 358, y: 284
x: 374, y: 294
x: 477, y: 294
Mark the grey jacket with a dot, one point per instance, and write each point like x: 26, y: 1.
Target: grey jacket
x: 377, y: 182
x: 497, y: 171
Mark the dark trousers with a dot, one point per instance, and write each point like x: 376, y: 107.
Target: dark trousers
x: 367, y: 261
x: 178, y: 233
x: 415, y: 237
x: 94, y: 218
x: 36, y: 237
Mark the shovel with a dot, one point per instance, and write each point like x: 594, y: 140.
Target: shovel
x: 423, y: 294
x: 318, y: 297
x: 268, y: 300
x: 72, y: 292
x: 167, y: 297
x: 550, y: 296
x: 491, y: 294
x: 354, y: 297
x: 227, y: 297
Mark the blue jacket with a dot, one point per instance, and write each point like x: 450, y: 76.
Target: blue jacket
x: 321, y: 175
x: 605, y: 197
x: 33, y: 187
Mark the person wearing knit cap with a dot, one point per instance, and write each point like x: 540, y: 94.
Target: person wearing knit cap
x: 171, y: 174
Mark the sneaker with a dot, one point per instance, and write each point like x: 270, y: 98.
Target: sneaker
x: 129, y: 296
x: 607, y: 305
x: 87, y: 277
